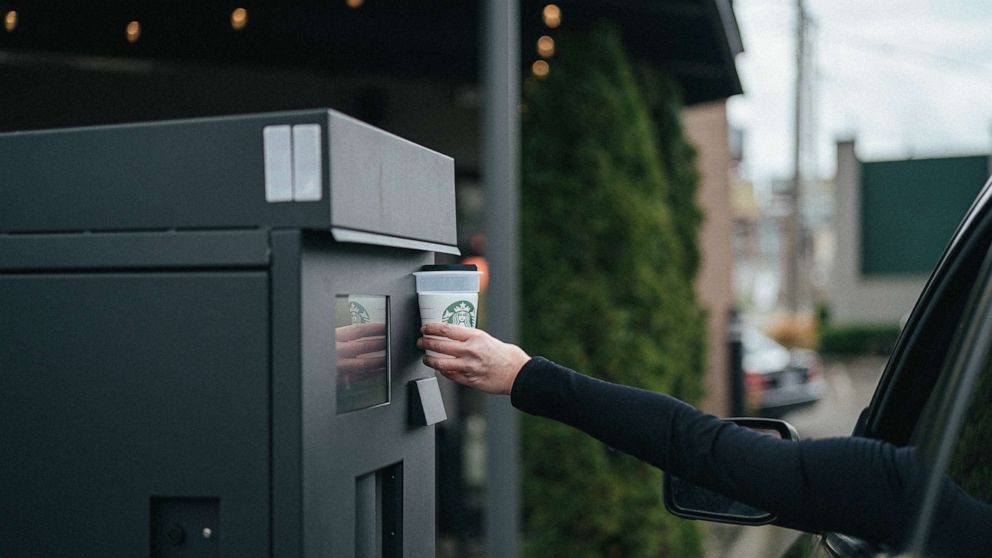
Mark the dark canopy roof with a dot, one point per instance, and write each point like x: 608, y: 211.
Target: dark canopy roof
x: 695, y: 40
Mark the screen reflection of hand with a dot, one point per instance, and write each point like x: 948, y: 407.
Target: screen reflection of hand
x: 361, y: 351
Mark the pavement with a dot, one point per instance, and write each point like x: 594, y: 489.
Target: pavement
x: 850, y: 384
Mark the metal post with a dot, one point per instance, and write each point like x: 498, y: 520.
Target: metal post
x: 501, y: 176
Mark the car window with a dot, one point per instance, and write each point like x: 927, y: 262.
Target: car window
x: 971, y: 459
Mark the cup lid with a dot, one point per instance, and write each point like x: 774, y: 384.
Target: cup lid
x: 450, y: 267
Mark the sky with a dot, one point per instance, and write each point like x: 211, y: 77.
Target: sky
x: 904, y: 78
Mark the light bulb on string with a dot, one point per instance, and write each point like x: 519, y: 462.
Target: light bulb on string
x: 540, y: 68
x: 133, y: 32
x: 239, y: 19
x: 551, y: 15
x: 546, y: 46
x: 10, y: 21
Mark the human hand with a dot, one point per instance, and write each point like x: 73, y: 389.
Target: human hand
x: 480, y: 361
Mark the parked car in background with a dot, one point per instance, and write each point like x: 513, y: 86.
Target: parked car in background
x: 777, y: 379
x: 934, y: 395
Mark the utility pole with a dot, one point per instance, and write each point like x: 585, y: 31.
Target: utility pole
x: 794, y: 228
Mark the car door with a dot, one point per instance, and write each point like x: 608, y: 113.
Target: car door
x: 921, y: 368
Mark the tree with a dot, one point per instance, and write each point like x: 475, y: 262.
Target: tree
x: 606, y: 289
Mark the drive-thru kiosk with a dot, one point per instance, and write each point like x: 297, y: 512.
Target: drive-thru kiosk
x: 207, y: 339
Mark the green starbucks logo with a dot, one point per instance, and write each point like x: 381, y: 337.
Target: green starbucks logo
x: 460, y: 313
x: 359, y: 315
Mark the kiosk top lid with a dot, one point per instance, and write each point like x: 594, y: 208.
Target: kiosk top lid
x: 315, y: 169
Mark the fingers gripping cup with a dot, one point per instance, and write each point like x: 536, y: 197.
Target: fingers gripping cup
x: 448, y: 294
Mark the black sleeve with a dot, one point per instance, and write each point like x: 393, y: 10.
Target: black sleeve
x: 856, y: 486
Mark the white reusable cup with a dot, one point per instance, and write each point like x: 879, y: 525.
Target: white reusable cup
x: 448, y: 294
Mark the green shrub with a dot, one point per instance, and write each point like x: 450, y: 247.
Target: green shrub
x: 871, y: 339
x: 608, y: 256
x: 678, y: 158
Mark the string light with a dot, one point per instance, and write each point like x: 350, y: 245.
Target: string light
x: 239, y: 18
x: 552, y: 16
x: 10, y: 21
x: 540, y: 68
x: 546, y: 46
x: 354, y: 3
x: 133, y: 32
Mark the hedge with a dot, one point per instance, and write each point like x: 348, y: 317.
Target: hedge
x: 872, y: 339
x: 608, y: 255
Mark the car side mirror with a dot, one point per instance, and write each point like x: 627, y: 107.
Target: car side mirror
x: 687, y: 500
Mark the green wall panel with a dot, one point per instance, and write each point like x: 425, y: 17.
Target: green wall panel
x: 909, y: 210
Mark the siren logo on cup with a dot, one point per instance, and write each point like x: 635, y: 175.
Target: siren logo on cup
x: 459, y: 313
x: 359, y: 315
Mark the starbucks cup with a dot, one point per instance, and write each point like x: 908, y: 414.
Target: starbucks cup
x: 448, y: 294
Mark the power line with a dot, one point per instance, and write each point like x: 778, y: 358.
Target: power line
x: 885, y: 48
x: 915, y: 55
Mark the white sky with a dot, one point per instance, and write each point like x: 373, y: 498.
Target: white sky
x: 904, y: 77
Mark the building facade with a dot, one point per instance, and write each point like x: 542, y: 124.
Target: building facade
x: 892, y: 221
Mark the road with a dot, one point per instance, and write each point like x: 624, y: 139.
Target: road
x: 850, y: 385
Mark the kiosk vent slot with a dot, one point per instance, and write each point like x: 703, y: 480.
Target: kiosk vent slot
x: 379, y: 513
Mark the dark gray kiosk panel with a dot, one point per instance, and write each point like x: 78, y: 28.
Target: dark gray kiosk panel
x: 207, y: 339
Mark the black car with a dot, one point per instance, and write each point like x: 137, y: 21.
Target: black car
x: 935, y: 394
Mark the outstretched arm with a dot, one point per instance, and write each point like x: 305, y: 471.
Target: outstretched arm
x: 851, y: 485
x: 858, y: 486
